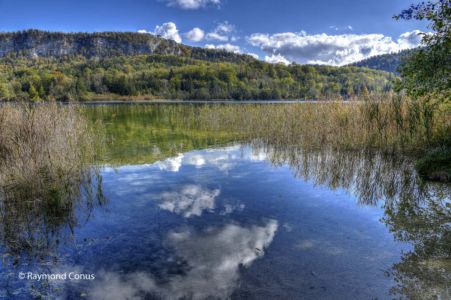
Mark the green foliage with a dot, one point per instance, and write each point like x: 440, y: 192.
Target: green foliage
x: 40, y: 65
x: 385, y: 62
x: 5, y: 93
x: 436, y: 165
x: 426, y: 72
x: 178, y: 77
x: 37, y: 43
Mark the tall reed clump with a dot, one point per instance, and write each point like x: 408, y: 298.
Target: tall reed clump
x: 390, y: 123
x: 46, y: 154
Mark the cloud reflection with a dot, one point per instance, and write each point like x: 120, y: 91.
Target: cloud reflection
x: 213, y: 256
x: 172, y: 164
x: 190, y: 200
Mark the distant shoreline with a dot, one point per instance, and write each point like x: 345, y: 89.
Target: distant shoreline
x: 162, y: 101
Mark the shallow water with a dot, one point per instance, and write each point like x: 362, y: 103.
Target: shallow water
x: 198, y: 214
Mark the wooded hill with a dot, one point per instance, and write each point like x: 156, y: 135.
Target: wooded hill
x: 385, y: 62
x: 41, y: 65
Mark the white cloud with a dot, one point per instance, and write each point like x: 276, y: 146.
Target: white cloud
x: 191, y: 200
x: 213, y: 258
x: 168, y: 31
x: 171, y: 164
x: 196, y: 34
x: 253, y: 55
x: 277, y: 59
x: 344, y: 28
x: 230, y: 208
x: 225, y: 159
x: 192, y: 4
x: 197, y: 160
x: 222, y: 33
x: 410, y: 39
x: 143, y: 31
x: 329, y: 49
x: 227, y: 47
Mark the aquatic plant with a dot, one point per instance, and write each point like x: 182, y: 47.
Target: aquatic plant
x: 389, y: 123
x: 46, y: 158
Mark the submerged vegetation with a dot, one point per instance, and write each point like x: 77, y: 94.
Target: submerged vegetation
x: 390, y: 123
x: 140, y: 134
x: 321, y: 150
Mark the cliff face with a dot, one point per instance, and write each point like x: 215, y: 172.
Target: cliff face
x: 34, y: 43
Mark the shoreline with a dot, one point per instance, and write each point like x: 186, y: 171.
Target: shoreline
x: 165, y: 101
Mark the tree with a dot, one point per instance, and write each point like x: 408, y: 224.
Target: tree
x: 4, y: 91
x: 427, y: 71
x: 33, y: 93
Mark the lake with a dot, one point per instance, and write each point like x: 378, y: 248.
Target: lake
x: 181, y: 211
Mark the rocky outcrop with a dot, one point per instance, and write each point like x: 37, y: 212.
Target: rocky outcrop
x: 35, y: 43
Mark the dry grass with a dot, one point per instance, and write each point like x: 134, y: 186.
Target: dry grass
x: 389, y: 123
x: 46, y: 155
x: 46, y: 141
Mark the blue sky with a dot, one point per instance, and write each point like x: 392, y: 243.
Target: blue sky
x: 315, y: 31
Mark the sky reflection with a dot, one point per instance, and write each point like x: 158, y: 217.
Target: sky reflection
x: 243, y: 222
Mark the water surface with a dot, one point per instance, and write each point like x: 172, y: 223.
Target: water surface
x: 198, y: 214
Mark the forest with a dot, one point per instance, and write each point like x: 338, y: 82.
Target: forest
x: 173, y: 77
x: 153, y: 68
x: 387, y: 62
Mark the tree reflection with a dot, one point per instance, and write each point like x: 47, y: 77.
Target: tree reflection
x: 425, y: 272
x: 415, y: 211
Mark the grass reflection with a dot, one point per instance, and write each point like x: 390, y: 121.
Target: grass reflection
x: 368, y: 149
x: 47, y: 172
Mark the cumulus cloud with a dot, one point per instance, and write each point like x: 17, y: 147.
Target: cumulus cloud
x: 230, y: 208
x: 196, y: 34
x: 227, y: 47
x: 253, y: 55
x: 277, y: 59
x: 213, y: 258
x: 168, y: 31
x: 222, y: 33
x: 329, y: 49
x: 225, y: 159
x: 171, y: 164
x: 192, y: 4
x: 191, y: 200
x: 410, y: 39
x: 230, y: 48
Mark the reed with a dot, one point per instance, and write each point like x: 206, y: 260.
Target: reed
x: 46, y: 157
x: 390, y: 123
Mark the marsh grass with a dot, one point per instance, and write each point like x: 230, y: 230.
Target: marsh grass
x: 46, y: 158
x: 388, y: 123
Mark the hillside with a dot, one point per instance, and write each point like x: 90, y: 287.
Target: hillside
x: 36, y: 43
x: 40, y: 65
x: 386, y: 62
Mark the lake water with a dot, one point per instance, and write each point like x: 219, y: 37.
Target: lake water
x: 199, y: 214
